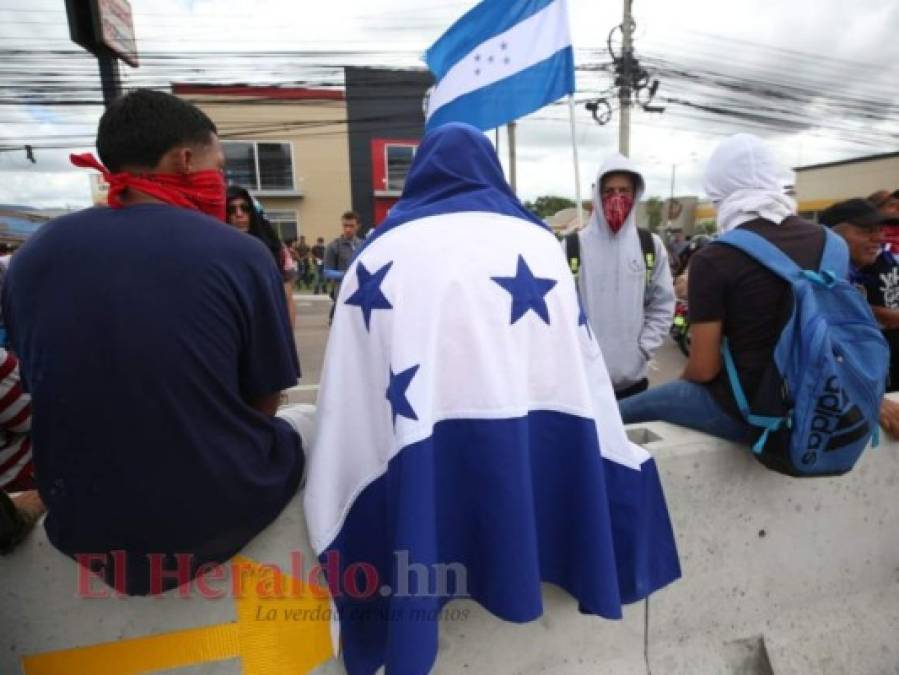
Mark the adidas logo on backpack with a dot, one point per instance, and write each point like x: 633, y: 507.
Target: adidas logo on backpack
x: 831, y: 360
x: 836, y: 423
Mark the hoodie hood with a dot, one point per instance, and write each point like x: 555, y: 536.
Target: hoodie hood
x: 455, y: 170
x: 616, y: 163
x: 745, y: 181
x: 259, y: 226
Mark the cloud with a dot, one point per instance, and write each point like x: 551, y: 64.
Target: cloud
x: 46, y: 189
x: 853, y: 54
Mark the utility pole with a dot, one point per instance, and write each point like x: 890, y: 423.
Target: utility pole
x: 624, y: 97
x: 512, y: 181
x: 634, y: 83
x: 671, y: 201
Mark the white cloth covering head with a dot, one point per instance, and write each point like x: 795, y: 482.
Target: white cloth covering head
x: 745, y: 181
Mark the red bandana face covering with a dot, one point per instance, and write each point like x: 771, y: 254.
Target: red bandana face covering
x: 615, y: 208
x: 201, y: 191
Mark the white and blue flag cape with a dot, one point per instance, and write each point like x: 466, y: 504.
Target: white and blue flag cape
x: 466, y: 421
x: 500, y: 61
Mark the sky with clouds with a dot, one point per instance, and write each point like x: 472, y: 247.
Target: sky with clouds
x: 841, y: 61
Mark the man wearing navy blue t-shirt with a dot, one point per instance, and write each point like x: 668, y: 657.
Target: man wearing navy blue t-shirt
x: 155, y: 342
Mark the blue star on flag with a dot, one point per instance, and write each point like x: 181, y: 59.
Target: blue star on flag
x: 527, y: 291
x: 396, y: 393
x: 369, y: 296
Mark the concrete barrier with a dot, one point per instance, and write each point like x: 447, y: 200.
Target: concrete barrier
x: 781, y: 576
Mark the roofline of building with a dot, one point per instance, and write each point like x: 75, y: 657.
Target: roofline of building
x: 249, y: 91
x: 856, y: 160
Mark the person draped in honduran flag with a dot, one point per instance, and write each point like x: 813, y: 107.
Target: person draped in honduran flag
x: 469, y: 443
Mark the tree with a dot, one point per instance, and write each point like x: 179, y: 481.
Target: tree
x: 708, y: 227
x: 653, y: 213
x: 548, y: 205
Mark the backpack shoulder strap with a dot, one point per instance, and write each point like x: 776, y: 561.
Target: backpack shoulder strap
x: 764, y: 252
x: 573, y: 251
x: 835, y: 258
x: 647, y: 246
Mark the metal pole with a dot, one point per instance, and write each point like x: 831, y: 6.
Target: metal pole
x: 624, y: 121
x: 577, y: 168
x: 512, y: 176
x: 671, y: 201
x: 110, y: 79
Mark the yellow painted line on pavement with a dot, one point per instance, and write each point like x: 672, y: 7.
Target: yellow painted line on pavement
x: 282, y: 627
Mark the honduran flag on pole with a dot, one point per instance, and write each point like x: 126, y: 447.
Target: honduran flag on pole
x: 502, y: 60
x: 468, y: 439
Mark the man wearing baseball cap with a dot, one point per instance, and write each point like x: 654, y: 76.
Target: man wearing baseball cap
x: 876, y: 273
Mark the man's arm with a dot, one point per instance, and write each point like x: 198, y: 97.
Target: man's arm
x: 267, y: 405
x: 706, y: 293
x: 658, y: 306
x: 268, y: 361
x: 887, y: 318
x: 889, y: 417
x: 705, y: 352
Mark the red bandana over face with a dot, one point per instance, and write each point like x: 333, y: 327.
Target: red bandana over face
x: 200, y: 191
x: 615, y: 208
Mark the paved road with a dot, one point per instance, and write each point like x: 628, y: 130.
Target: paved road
x: 312, y: 333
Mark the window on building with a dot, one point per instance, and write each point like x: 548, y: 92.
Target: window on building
x: 259, y: 166
x: 240, y: 163
x: 399, y: 159
x: 285, y: 224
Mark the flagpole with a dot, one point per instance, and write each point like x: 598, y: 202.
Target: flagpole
x: 577, y: 168
x: 512, y: 174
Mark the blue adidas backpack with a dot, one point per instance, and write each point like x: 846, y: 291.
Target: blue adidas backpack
x: 819, y: 405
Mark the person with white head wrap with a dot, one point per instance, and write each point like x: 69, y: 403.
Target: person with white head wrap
x: 734, y: 297
x: 745, y: 181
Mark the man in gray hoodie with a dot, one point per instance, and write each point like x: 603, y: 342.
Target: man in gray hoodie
x: 625, y: 284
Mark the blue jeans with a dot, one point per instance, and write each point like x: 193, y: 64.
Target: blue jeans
x: 689, y: 405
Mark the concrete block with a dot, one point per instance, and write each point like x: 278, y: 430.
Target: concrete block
x: 782, y: 576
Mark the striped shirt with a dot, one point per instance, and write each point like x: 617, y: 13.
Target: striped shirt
x: 15, y: 427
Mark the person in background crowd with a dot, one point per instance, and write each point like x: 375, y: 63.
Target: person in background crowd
x: 340, y: 253
x: 677, y: 243
x: 19, y: 513
x: 318, y: 257
x: 888, y: 203
x: 876, y: 273
x: 302, y: 252
x: 16, y: 465
x: 625, y: 286
x: 155, y: 344
x: 885, y: 201
x: 683, y: 263
x: 243, y: 214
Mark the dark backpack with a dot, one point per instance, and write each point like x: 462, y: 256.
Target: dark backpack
x: 573, y: 252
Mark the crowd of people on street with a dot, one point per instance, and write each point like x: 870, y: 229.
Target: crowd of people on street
x: 151, y: 343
